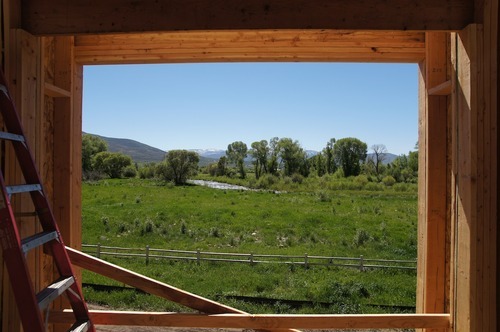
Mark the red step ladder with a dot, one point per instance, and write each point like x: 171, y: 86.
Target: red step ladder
x: 33, y: 308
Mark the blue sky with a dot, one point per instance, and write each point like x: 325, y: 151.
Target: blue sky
x: 201, y: 106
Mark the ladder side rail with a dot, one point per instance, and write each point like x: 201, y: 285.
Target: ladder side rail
x: 45, y: 215
x: 22, y: 286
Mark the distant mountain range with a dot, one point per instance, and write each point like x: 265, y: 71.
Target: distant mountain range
x: 139, y: 152
x: 143, y: 153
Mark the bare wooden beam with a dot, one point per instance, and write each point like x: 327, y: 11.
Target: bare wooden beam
x: 443, y: 89
x: 257, y: 45
x: 435, y: 168
x: 48, y: 17
x: 54, y: 91
x: 148, y: 285
x: 259, y: 322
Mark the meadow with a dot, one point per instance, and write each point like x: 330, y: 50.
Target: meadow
x: 327, y: 220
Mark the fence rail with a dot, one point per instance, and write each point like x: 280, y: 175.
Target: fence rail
x: 305, y: 260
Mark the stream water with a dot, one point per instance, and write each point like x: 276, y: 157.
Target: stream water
x: 217, y: 185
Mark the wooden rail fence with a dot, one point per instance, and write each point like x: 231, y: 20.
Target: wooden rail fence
x: 198, y: 256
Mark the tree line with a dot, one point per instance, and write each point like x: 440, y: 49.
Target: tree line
x: 279, y: 157
x: 345, y: 157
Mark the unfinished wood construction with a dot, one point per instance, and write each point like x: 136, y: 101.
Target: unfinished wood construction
x: 46, y: 43
x: 251, y: 46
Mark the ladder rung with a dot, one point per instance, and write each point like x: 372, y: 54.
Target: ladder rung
x: 80, y: 326
x: 49, y: 294
x: 11, y: 137
x: 37, y: 240
x: 23, y: 188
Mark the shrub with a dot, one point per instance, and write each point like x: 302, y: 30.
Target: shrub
x: 361, y: 237
x: 401, y: 187
x: 148, y: 227
x: 267, y: 181
x: 361, y: 179
x: 339, y: 174
x: 122, y: 228
x: 371, y: 186
x: 297, y: 178
x: 184, y: 228
x: 129, y: 172
x: 388, y: 181
x: 147, y: 171
x: 323, y: 196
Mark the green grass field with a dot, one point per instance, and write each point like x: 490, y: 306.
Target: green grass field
x: 376, y: 224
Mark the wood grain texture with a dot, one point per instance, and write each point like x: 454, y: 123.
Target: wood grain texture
x: 251, y: 46
x: 48, y: 17
x: 150, y: 285
x: 259, y: 322
x: 147, y: 284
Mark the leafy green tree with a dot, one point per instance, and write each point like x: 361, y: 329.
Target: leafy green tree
x: 293, y: 157
x: 111, y: 163
x: 331, y: 167
x: 236, y: 153
x: 147, y: 171
x: 318, y: 164
x: 274, y: 150
x: 349, y: 153
x: 260, y: 153
x: 413, y: 162
x: 221, y: 168
x: 91, y: 145
x: 178, y: 166
x: 404, y: 168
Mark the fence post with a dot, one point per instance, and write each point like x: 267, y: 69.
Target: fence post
x: 306, y: 261
x: 198, y: 256
x: 147, y: 254
x: 98, y: 253
x: 251, y: 258
x: 361, y: 263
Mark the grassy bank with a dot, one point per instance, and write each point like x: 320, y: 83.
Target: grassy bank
x: 375, y: 224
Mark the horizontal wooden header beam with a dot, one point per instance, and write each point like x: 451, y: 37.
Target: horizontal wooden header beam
x: 251, y: 46
x: 52, y: 17
x: 259, y: 322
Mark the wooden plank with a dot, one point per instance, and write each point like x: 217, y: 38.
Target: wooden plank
x: 490, y: 288
x: 63, y: 129
x: 56, y: 92
x: 212, y: 46
x: 443, y: 89
x: 310, y: 37
x: 49, y: 17
x: 259, y: 322
x: 208, y: 58
x: 147, y: 284
x: 435, y: 205
x: 466, y: 170
x: 422, y: 189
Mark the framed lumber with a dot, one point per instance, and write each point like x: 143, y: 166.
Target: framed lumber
x: 475, y: 55
x: 52, y: 17
x: 148, y: 285
x: 443, y: 89
x: 259, y: 322
x: 251, y: 46
x: 25, y: 92
x: 432, y: 290
x: 56, y: 92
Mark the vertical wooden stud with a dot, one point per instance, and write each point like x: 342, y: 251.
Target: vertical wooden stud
x: 432, y: 276
x: 476, y: 168
x: 24, y: 69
